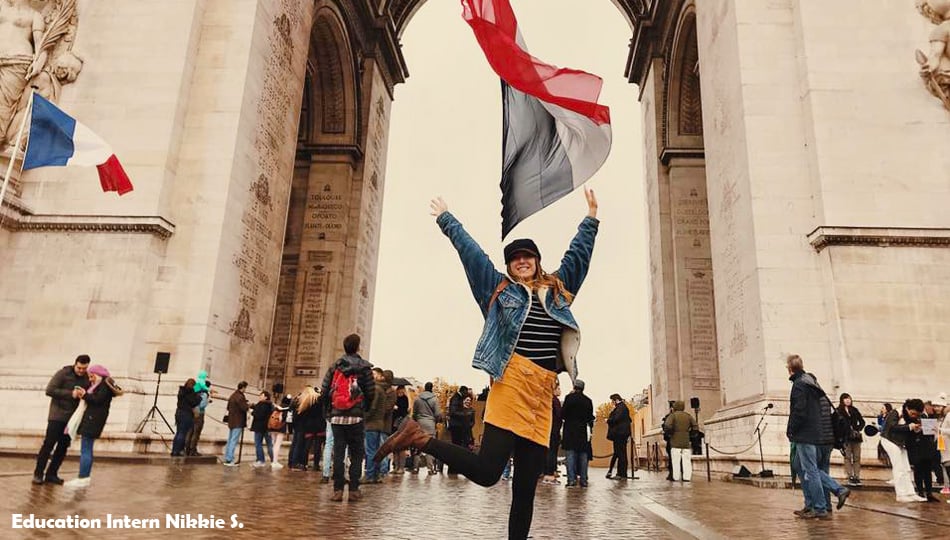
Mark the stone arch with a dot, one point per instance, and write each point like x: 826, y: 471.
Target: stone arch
x: 329, y: 112
x: 682, y: 118
x: 402, y: 11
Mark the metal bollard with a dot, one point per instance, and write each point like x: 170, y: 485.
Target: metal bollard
x: 708, y: 473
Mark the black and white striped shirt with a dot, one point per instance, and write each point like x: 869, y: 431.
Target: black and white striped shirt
x: 540, y: 336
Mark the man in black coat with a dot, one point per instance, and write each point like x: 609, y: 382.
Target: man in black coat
x: 618, y: 431
x: 578, y: 415
x: 65, y: 390
x: 810, y: 428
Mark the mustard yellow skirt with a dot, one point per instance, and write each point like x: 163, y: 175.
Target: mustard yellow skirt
x: 520, y: 401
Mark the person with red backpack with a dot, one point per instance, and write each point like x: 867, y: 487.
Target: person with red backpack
x: 349, y: 389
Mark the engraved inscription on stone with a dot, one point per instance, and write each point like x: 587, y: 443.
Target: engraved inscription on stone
x: 326, y: 214
x: 315, y: 288
x: 702, y: 324
x: 258, y: 260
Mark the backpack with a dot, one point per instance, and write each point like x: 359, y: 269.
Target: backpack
x: 344, y: 391
x: 276, y: 421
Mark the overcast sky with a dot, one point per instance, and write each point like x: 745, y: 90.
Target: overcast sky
x: 445, y: 139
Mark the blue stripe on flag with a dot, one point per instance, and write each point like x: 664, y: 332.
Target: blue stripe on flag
x: 51, y: 136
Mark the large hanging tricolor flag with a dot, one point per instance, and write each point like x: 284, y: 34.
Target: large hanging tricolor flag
x: 57, y: 139
x: 556, y: 135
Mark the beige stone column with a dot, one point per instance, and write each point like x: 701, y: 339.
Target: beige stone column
x: 693, y: 270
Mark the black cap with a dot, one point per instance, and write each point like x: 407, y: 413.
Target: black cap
x: 522, y: 244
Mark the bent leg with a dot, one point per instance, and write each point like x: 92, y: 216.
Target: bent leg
x: 485, y: 467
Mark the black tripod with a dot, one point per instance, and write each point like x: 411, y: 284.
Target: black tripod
x: 763, y: 473
x: 151, y: 412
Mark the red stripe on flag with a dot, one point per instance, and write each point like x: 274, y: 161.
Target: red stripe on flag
x: 112, y: 176
x: 496, y: 30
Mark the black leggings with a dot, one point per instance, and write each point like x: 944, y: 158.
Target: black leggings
x: 485, y: 468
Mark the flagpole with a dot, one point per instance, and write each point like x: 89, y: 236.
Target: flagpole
x: 16, y: 148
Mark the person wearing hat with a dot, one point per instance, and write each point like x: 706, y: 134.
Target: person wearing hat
x: 529, y: 336
x: 98, y: 399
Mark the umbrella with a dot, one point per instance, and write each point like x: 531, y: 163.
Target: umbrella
x: 399, y: 381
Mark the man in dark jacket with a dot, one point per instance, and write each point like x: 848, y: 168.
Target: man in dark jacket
x: 65, y: 390
x: 345, y: 411
x: 810, y: 428
x: 237, y: 420
x: 618, y: 431
x: 376, y: 426
x: 578, y: 415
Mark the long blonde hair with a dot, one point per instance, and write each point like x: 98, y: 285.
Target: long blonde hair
x: 550, y: 281
x: 307, y: 399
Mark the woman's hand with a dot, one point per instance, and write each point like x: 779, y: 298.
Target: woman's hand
x: 438, y: 206
x: 591, y: 202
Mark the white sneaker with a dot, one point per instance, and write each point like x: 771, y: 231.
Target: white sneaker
x: 78, y: 482
x: 258, y: 464
x: 276, y: 465
x: 911, y: 498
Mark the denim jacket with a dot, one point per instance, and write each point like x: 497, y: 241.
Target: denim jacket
x: 504, y: 319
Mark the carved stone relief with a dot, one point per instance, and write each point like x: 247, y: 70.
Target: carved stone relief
x: 935, y: 63
x: 36, y: 42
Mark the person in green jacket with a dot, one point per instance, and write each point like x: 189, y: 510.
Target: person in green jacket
x: 680, y: 424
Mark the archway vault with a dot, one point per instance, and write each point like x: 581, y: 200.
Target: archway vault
x: 401, y: 11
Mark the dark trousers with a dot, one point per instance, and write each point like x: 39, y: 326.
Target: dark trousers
x: 550, y: 463
x: 55, y: 437
x: 923, y: 481
x: 619, y: 458
x: 669, y: 460
x: 183, y: 424
x: 350, y: 437
x: 191, y: 440
x: 485, y: 468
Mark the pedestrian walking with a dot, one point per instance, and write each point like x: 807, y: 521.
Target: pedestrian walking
x: 578, y: 413
x: 349, y: 388
x: 851, y: 417
x: 400, y: 413
x: 260, y: 417
x: 529, y: 337
x: 681, y: 424
x: 376, y: 428
x: 205, y: 393
x: 65, y: 389
x: 920, y: 448
x: 810, y: 428
x: 236, y: 419
x: 98, y: 399
x: 618, y: 432
x: 277, y: 426
x: 185, y: 414
x: 427, y: 412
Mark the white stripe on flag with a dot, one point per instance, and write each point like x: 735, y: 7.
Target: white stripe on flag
x: 585, y: 143
x: 88, y: 148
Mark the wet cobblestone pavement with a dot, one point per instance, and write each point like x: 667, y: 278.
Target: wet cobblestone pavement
x: 288, y: 504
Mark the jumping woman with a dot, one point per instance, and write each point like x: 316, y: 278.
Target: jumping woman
x: 529, y: 337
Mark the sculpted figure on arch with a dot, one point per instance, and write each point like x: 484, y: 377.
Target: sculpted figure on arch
x: 935, y: 64
x: 36, y: 39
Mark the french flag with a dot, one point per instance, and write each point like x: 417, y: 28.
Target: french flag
x: 57, y: 140
x: 556, y: 135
